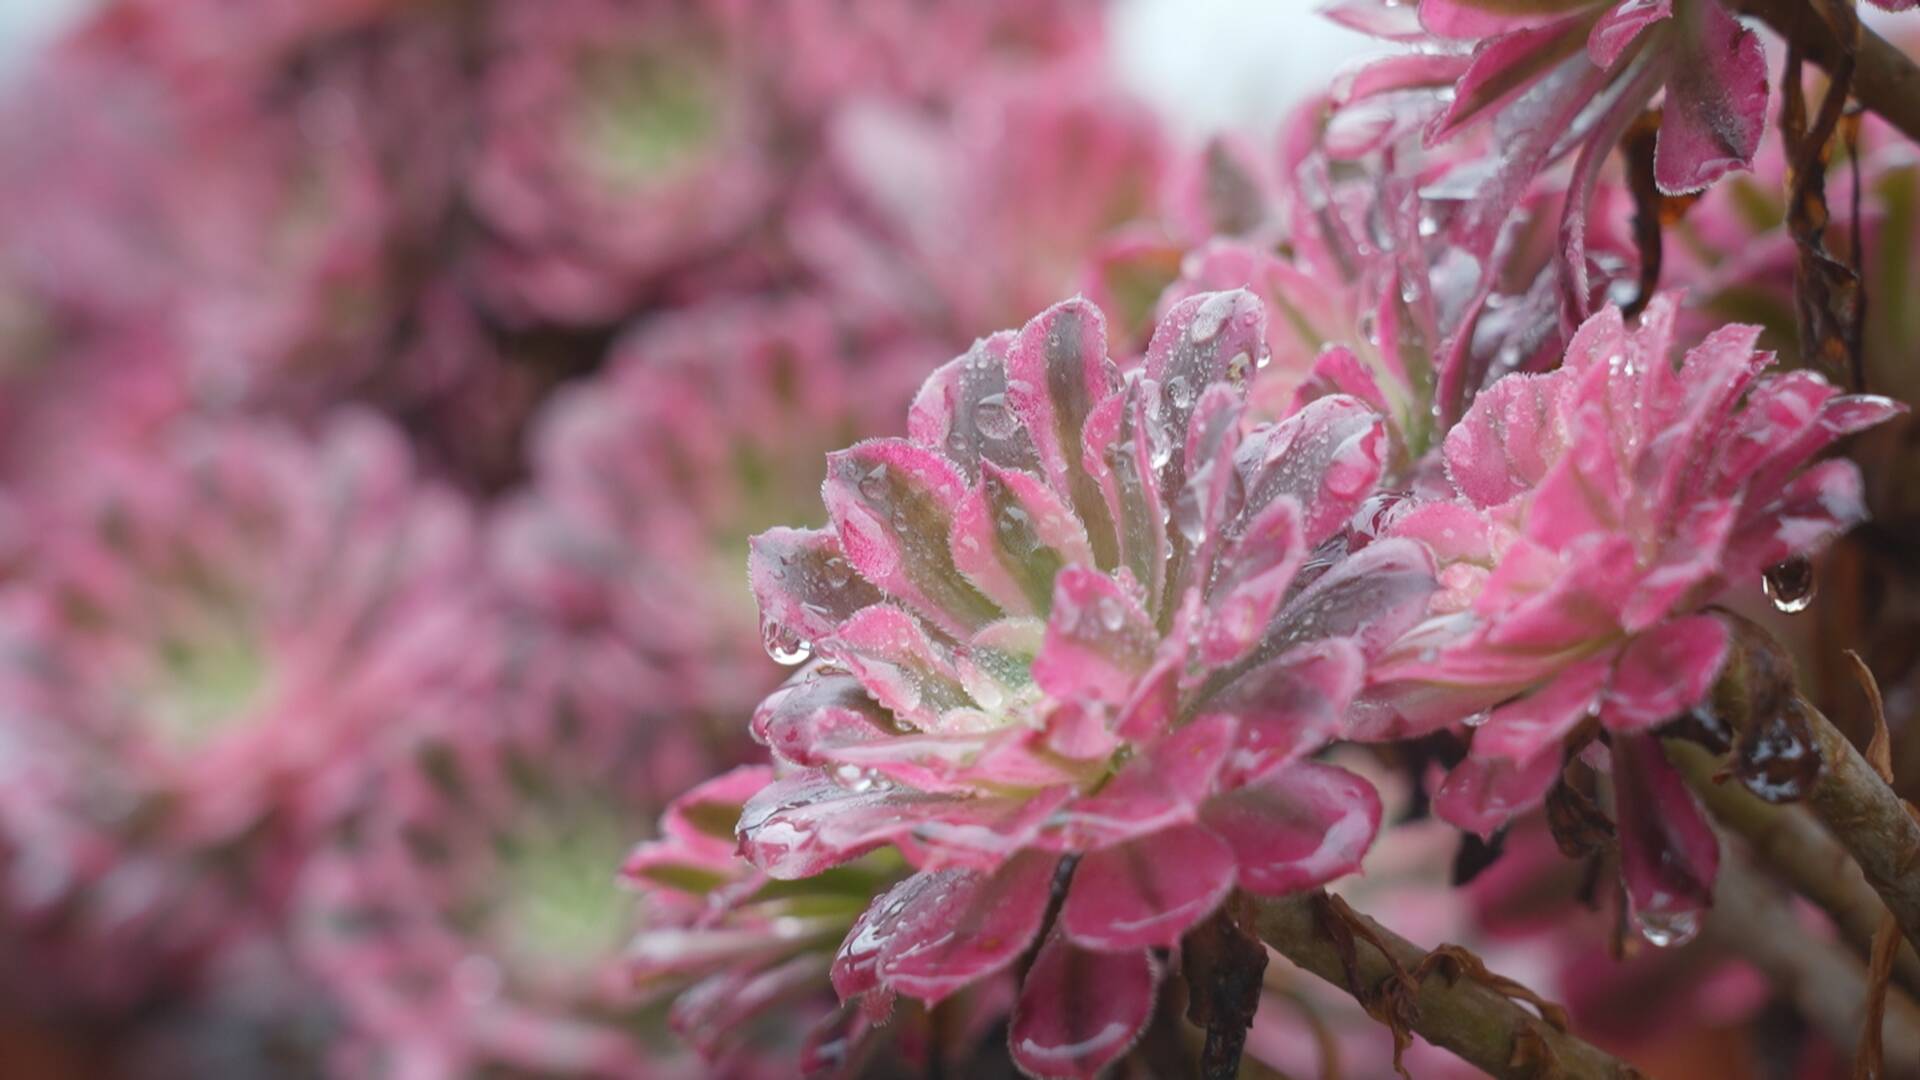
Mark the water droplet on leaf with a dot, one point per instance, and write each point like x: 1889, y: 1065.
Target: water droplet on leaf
x: 994, y: 418
x: 783, y: 645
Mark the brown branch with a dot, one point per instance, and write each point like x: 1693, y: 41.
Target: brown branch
x: 1788, y: 841
x: 1473, y: 1021
x: 1756, y: 696
x: 1754, y: 920
x: 1884, y: 78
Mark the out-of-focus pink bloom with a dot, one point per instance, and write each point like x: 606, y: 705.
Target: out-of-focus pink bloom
x: 1552, y: 79
x: 1369, y: 299
x: 204, y: 636
x: 930, y: 54
x: 1527, y: 903
x: 268, y: 235
x: 963, y: 222
x: 621, y: 142
x: 467, y: 915
x: 1081, y: 633
x: 707, y: 426
x: 1599, y: 508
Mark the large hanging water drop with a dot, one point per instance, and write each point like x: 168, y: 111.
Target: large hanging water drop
x: 783, y: 645
x: 1667, y: 930
x: 1790, y: 585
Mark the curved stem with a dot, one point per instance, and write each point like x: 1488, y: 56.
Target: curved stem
x: 1884, y: 78
x: 1477, y: 1024
x: 1868, y: 819
x: 1755, y: 695
x: 1788, y: 841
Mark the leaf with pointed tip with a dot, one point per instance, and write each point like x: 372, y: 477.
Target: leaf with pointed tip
x: 1011, y: 536
x: 1256, y: 574
x: 804, y: 582
x: 1080, y: 1010
x: 1057, y: 371
x: 962, y: 411
x: 1147, y: 892
x: 1716, y: 104
x: 1297, y: 827
x: 1327, y: 456
x: 892, y: 504
x: 1121, y: 437
x: 1669, y: 855
x: 1664, y: 672
x: 967, y: 926
x: 1202, y: 340
x: 1098, y: 639
x: 1502, y: 67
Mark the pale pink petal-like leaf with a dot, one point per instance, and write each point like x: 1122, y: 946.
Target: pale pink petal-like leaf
x: 1621, y: 26
x: 1327, y: 457
x: 1289, y: 706
x: 1297, y: 827
x: 1669, y: 855
x: 1372, y: 597
x: 1057, y: 371
x: 1521, y: 730
x: 892, y: 504
x: 1159, y: 789
x: 1716, y: 106
x: 1509, y: 438
x: 1098, y: 639
x: 968, y: 926
x: 1484, y: 18
x: 1812, y: 509
x: 1664, y: 672
x: 1202, y: 340
x: 1257, y: 572
x: 804, y: 582
x: 802, y: 721
x: 1481, y: 795
x: 1125, y: 441
x: 901, y: 667
x: 1080, y: 1010
x: 1011, y: 535
x: 962, y: 411
x: 1147, y: 892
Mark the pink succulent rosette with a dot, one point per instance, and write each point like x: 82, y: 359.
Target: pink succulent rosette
x: 1370, y: 300
x: 200, y: 644
x: 1542, y: 81
x: 467, y: 915
x: 263, y: 233
x: 707, y: 425
x: 1081, y: 633
x: 1599, y: 507
x: 962, y: 221
x: 621, y: 142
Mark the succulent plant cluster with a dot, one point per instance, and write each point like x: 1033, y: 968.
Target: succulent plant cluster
x: 414, y: 597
